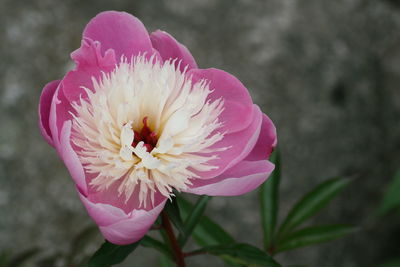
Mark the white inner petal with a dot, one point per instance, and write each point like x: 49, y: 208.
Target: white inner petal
x: 110, y: 130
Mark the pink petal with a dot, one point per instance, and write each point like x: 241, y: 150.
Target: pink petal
x: 238, y: 144
x: 44, y: 110
x: 89, y: 55
x: 240, y: 179
x: 266, y: 141
x: 90, y: 64
x: 169, y: 48
x: 102, y: 214
x: 59, y: 113
x: 120, y: 31
x: 112, y: 197
x: 130, y: 230
x: 238, y: 106
x: 70, y: 158
x: 60, y: 126
x: 119, y: 227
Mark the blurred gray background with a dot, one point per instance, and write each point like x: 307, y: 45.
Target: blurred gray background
x: 326, y: 72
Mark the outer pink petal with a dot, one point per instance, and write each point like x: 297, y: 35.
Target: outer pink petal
x: 91, y: 63
x: 60, y: 126
x: 238, y: 106
x: 240, y: 179
x: 60, y: 112
x: 132, y: 229
x: 44, y: 110
x: 120, y: 31
x: 119, y: 227
x: 70, y: 158
x: 112, y: 196
x: 169, y: 48
x: 266, y: 141
x: 238, y: 144
x: 102, y: 214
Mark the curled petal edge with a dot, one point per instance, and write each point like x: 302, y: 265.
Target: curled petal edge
x: 266, y: 142
x: 46, y: 98
x: 240, y: 179
x: 239, y: 145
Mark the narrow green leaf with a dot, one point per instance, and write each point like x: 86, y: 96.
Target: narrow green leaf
x: 207, y: 232
x: 391, y: 263
x: 243, y: 254
x: 391, y: 199
x: 269, y: 201
x: 109, y: 254
x: 193, y: 218
x: 4, y: 258
x: 164, y: 236
x: 174, y: 215
x: 166, y: 262
x: 150, y: 242
x: 311, y: 203
x: 314, y: 235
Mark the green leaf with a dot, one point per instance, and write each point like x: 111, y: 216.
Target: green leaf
x: 243, y: 254
x: 391, y: 199
x: 311, y: 203
x: 193, y: 218
x: 150, y: 242
x: 206, y: 232
x: 269, y: 201
x: 109, y: 254
x: 391, y: 263
x: 4, y: 258
x: 166, y: 262
x: 172, y: 209
x: 313, y: 235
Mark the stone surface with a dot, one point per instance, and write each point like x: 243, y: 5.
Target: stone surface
x: 327, y: 73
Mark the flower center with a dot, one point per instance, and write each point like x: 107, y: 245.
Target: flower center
x: 145, y: 135
x: 147, y: 128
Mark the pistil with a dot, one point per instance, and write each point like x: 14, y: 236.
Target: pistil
x: 146, y: 135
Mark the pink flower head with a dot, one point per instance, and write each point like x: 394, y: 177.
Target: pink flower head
x: 137, y: 119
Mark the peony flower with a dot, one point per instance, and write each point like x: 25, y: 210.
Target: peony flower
x: 137, y: 119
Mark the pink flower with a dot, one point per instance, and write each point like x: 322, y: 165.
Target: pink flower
x: 137, y: 118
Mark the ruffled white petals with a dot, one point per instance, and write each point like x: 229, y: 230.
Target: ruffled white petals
x: 148, y: 161
x: 127, y: 137
x: 146, y: 97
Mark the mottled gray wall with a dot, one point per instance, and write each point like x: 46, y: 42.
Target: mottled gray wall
x: 327, y: 73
